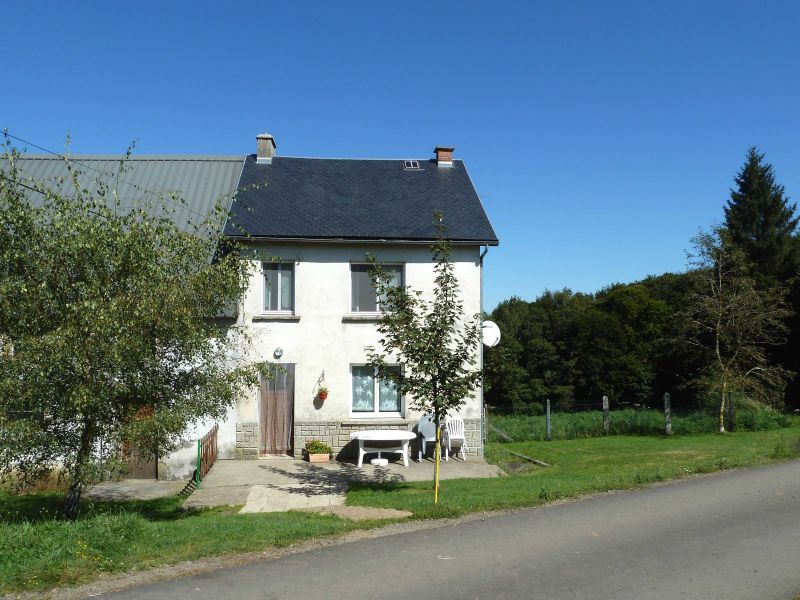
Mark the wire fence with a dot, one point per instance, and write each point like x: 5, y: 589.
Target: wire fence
x: 597, y: 419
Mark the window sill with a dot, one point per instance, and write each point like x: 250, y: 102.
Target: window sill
x: 352, y: 421
x: 362, y: 318
x: 276, y: 317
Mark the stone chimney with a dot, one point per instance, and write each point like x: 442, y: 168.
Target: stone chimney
x: 444, y: 156
x: 265, y: 148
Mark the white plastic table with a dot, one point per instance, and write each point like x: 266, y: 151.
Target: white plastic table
x: 382, y: 435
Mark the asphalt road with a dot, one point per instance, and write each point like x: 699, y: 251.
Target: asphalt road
x: 732, y: 535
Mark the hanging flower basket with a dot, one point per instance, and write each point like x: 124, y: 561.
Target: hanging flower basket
x: 323, y: 393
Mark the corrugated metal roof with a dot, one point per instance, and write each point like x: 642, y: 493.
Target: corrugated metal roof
x: 201, y: 181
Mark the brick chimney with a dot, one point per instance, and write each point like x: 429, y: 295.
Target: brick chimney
x: 444, y: 156
x: 265, y: 148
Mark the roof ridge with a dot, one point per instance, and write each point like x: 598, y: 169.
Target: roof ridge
x: 428, y: 159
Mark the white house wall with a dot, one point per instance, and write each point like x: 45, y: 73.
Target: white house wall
x: 324, y: 341
x: 181, y: 463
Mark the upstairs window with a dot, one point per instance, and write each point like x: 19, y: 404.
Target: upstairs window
x: 363, y: 297
x: 278, y: 287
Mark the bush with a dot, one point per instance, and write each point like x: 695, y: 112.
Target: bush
x: 786, y: 447
x: 760, y: 420
x: 317, y: 447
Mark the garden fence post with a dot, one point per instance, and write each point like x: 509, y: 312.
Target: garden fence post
x: 549, y: 434
x: 605, y: 414
x: 667, y: 415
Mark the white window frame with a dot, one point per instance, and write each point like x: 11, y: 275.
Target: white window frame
x: 264, y: 309
x: 376, y: 412
x: 377, y: 298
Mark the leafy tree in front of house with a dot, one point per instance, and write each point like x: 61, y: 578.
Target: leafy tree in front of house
x: 109, y: 317
x: 730, y: 324
x: 433, y: 339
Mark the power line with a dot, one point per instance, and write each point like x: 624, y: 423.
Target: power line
x: 43, y: 193
x: 160, y: 193
x: 68, y: 159
x: 19, y: 183
x: 38, y: 191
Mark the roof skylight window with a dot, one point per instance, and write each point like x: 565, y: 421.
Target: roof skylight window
x: 411, y: 165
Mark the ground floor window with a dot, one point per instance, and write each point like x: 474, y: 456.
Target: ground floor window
x: 373, y: 395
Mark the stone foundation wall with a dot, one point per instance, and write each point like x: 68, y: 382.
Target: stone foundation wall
x: 337, y: 436
x: 247, y: 440
x: 472, y: 431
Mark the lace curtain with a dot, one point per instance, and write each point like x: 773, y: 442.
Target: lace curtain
x: 363, y: 389
x: 388, y: 398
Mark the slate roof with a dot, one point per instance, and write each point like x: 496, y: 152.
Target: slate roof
x: 200, y: 180
x: 356, y: 199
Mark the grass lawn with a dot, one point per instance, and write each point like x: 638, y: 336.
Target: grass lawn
x: 584, y: 466
x: 39, y: 550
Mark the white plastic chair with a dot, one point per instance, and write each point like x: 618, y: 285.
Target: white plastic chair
x: 454, y: 431
x: 426, y: 429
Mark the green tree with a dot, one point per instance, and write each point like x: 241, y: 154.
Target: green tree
x: 526, y: 369
x: 670, y: 360
x: 730, y: 323
x: 506, y: 382
x: 763, y: 224
x: 761, y: 221
x: 572, y: 348
x: 433, y: 340
x: 109, y: 316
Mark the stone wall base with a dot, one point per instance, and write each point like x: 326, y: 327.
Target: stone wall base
x: 247, y: 440
x: 337, y: 435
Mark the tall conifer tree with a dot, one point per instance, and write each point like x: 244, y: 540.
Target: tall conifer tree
x: 762, y: 222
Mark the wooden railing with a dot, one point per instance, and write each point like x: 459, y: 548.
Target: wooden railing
x: 206, y: 454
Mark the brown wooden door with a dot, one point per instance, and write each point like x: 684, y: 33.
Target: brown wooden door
x: 141, y: 465
x: 276, y: 420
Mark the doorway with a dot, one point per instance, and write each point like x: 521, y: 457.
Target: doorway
x: 140, y: 465
x: 276, y: 411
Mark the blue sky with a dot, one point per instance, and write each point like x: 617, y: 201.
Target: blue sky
x: 600, y: 135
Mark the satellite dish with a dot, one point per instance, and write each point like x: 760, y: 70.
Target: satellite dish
x: 490, y: 333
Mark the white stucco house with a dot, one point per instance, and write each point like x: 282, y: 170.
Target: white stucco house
x: 312, y: 309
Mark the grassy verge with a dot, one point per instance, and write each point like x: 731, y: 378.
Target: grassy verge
x: 39, y: 550
x: 582, y: 467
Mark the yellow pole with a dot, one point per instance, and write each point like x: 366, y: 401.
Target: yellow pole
x: 436, y: 468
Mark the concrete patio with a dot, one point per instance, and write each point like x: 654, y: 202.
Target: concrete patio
x: 280, y: 484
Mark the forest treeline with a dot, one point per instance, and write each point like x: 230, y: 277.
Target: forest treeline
x: 726, y: 327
